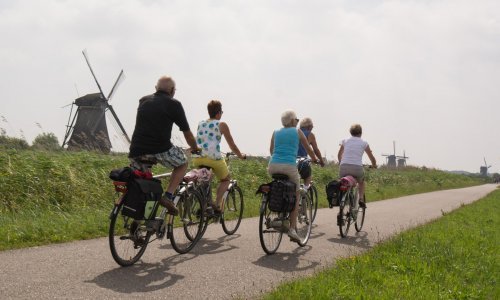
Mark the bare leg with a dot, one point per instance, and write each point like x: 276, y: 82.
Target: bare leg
x: 307, y: 181
x: 223, y: 185
x: 361, y: 190
x: 176, y: 177
x: 295, y: 212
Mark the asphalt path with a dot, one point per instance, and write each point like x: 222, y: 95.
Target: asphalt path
x: 220, y: 266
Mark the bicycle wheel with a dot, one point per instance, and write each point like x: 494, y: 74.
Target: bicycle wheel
x: 313, y: 194
x: 233, y: 211
x: 128, y: 238
x: 270, y: 238
x: 360, y: 219
x: 344, y: 218
x: 190, y: 219
x: 304, y: 218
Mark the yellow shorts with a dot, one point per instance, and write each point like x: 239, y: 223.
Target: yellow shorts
x: 219, y: 167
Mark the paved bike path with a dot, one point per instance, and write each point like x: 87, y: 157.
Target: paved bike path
x: 220, y: 266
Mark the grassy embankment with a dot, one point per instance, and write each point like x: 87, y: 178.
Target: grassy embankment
x: 51, y: 197
x: 455, y: 257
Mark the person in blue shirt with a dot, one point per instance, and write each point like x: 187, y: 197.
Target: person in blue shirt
x: 283, y: 148
x: 305, y: 171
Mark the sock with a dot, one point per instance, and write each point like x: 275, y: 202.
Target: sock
x: 170, y: 196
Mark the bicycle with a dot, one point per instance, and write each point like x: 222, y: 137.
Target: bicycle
x: 129, y: 237
x: 273, y: 224
x: 349, y: 209
x: 232, y: 201
x: 313, y: 192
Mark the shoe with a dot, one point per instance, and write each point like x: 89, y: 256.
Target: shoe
x: 294, y: 237
x: 362, y: 204
x: 217, y: 210
x: 169, y: 204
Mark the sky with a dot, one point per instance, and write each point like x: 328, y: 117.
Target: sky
x: 422, y: 74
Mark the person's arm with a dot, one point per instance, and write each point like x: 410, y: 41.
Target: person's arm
x: 371, y: 157
x: 312, y: 141
x: 188, y: 135
x: 305, y: 144
x: 271, y: 147
x: 341, y: 152
x: 224, y: 129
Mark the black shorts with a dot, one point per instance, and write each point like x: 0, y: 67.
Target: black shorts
x: 304, y: 167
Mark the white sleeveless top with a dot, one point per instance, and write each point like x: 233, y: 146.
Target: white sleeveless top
x: 208, y: 139
x: 354, y: 147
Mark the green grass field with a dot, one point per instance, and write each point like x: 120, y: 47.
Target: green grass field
x: 52, y: 197
x: 455, y: 257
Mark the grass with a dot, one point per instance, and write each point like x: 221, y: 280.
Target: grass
x: 455, y: 257
x: 52, y: 197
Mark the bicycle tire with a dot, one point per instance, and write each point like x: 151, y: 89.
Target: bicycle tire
x: 269, y: 237
x: 304, y: 218
x: 344, y: 218
x: 313, y: 194
x: 360, y: 219
x: 233, y: 210
x: 128, y: 238
x: 190, y: 218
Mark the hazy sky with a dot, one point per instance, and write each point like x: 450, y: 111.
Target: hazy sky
x: 425, y: 74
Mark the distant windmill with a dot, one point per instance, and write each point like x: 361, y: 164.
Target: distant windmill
x: 483, y: 170
x: 86, y: 129
x: 392, y: 160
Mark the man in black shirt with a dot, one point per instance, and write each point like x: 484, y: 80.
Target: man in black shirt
x: 151, y: 138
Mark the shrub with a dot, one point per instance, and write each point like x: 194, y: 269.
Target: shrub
x: 46, y: 141
x: 8, y: 142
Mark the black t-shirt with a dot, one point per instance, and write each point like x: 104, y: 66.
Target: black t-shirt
x: 153, y: 126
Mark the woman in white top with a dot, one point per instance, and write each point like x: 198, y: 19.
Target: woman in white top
x: 350, y: 157
x: 208, y: 138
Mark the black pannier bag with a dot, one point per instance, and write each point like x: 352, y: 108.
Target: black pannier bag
x: 282, y: 196
x: 141, y: 193
x: 332, y: 193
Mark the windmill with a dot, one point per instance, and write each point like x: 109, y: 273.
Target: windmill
x: 393, y: 161
x: 483, y: 170
x: 402, y: 160
x: 86, y: 128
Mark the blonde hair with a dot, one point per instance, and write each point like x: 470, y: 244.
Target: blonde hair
x: 356, y: 130
x: 165, y: 84
x: 306, y: 122
x: 287, y: 118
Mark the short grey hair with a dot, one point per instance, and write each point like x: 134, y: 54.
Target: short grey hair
x: 287, y: 118
x: 165, y: 84
x: 306, y: 122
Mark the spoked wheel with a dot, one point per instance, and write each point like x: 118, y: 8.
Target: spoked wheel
x: 233, y: 211
x: 344, y: 218
x: 360, y: 220
x: 270, y: 238
x: 128, y: 238
x: 313, y: 194
x: 190, y: 221
x: 304, y: 218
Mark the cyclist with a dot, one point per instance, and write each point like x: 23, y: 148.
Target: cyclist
x: 151, y: 138
x: 350, y: 158
x: 283, y: 148
x: 306, y: 126
x: 208, y: 138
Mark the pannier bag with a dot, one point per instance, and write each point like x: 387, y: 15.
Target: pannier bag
x: 140, y: 198
x: 332, y: 193
x: 282, y: 196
